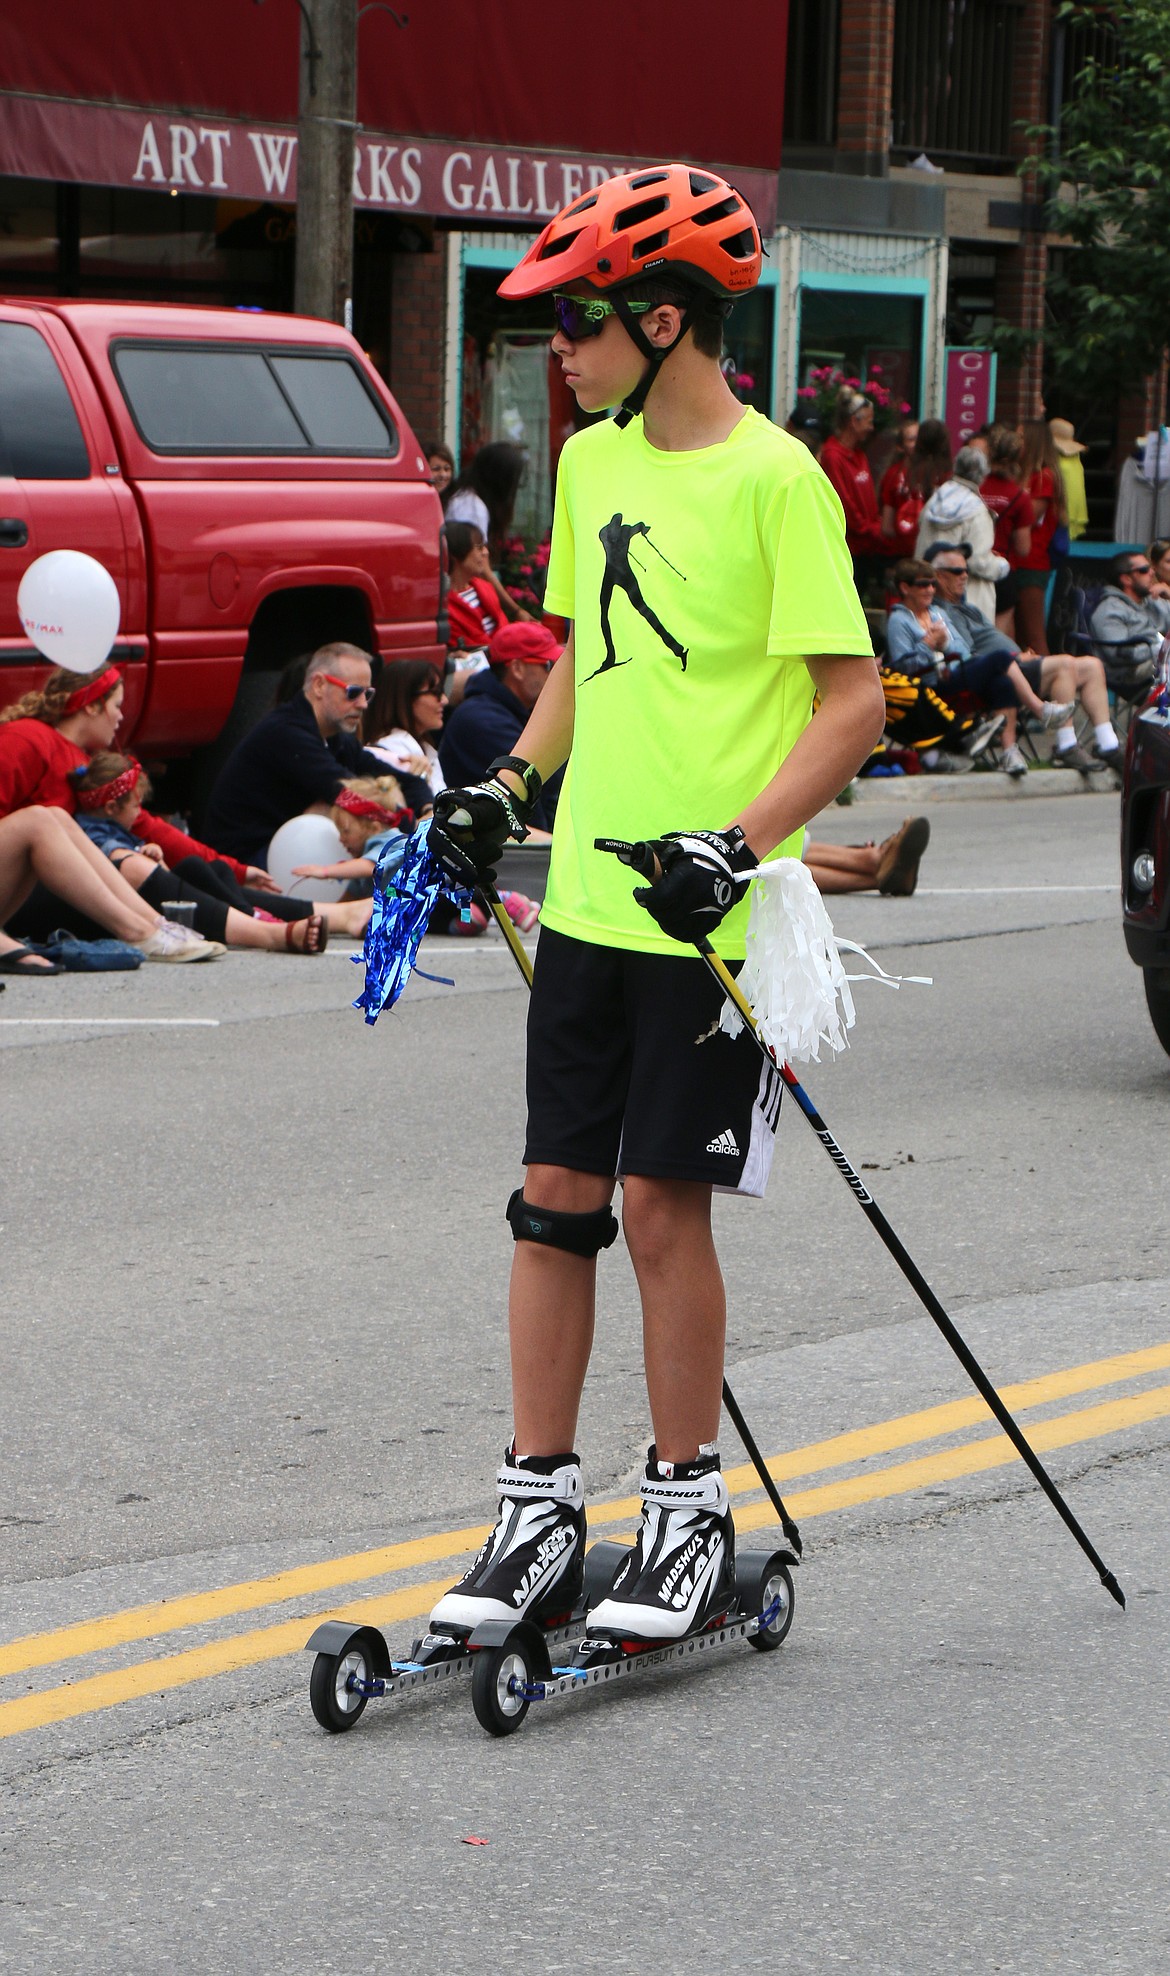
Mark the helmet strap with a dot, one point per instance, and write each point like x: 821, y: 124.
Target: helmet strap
x: 656, y: 357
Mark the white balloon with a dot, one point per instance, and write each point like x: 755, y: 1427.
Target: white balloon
x: 68, y: 605
x: 306, y: 840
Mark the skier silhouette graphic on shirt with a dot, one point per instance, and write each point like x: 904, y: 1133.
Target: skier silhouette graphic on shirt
x: 615, y: 539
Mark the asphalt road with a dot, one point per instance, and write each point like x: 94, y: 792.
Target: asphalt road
x: 253, y: 1276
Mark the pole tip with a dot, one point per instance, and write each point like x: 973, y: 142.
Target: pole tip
x: 1113, y: 1588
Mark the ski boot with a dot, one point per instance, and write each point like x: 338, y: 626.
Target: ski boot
x: 532, y: 1564
x: 681, y: 1572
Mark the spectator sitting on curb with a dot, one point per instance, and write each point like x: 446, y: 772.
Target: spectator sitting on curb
x: 496, y: 706
x: 1130, y: 623
x: 369, y: 815
x: 890, y: 867
x: 956, y: 514
x: 109, y: 798
x: 404, y: 721
x: 45, y: 856
x: 997, y: 673
x: 1060, y: 674
x: 296, y: 758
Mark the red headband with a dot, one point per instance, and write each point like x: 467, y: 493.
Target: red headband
x: 111, y: 792
x: 94, y: 689
x: 355, y: 805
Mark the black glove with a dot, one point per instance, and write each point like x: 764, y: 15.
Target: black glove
x: 483, y: 818
x: 704, y: 874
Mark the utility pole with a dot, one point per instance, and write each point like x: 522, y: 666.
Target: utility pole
x: 326, y: 124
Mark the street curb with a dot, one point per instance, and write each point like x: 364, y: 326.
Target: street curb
x: 978, y: 785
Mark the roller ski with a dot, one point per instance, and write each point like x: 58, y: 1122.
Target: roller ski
x: 678, y: 1591
x: 532, y: 1568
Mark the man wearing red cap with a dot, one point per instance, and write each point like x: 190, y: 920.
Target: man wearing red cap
x: 496, y: 703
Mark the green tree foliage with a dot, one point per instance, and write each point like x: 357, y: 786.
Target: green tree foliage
x: 1103, y: 175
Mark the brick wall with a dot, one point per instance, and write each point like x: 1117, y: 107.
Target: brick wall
x: 1019, y: 298
x: 866, y: 77
x: 418, y: 305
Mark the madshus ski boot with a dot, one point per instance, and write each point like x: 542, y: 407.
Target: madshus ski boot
x: 533, y: 1567
x: 612, y: 1611
x: 678, y: 1591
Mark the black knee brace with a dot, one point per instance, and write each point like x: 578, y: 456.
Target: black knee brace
x: 579, y: 1234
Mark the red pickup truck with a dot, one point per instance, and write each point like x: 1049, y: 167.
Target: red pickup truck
x: 248, y: 481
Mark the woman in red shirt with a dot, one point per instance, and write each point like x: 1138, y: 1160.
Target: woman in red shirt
x: 1012, y: 512
x: 51, y: 732
x: 895, y: 488
x: 844, y: 459
x: 1044, y: 485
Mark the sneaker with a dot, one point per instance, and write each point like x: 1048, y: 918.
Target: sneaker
x: 468, y: 929
x: 522, y: 912
x: 899, y: 857
x: 169, y: 942
x: 681, y: 1571
x: 1113, y: 758
x: 1013, y: 762
x: 948, y: 764
x: 984, y: 735
x: 532, y: 1566
x: 1075, y: 757
x: 1056, y: 713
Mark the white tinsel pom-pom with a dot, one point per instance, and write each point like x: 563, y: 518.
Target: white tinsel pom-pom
x: 793, y: 975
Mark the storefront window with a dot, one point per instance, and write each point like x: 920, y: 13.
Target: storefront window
x: 747, y: 340
x: 856, y: 331
x: 28, y: 236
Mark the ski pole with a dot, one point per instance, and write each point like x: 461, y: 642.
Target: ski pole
x: 462, y: 868
x: 641, y: 859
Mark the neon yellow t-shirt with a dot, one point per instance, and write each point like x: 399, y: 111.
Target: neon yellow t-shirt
x: 698, y: 583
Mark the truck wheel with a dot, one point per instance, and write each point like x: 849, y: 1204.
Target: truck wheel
x: 1157, y: 980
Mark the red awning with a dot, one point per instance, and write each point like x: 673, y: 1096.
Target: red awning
x: 627, y: 84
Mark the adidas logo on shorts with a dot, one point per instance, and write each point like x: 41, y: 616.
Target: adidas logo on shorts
x: 725, y: 1143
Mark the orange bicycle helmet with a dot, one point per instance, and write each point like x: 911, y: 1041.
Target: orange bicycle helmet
x: 668, y: 219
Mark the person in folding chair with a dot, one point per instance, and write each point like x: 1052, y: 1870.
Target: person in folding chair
x: 736, y: 544
x: 1048, y: 688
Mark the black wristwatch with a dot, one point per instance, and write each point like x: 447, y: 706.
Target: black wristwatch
x: 529, y: 776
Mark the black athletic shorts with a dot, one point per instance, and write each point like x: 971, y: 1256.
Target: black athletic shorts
x: 629, y: 1072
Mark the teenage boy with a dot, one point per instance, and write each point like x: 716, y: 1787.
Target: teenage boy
x: 700, y: 554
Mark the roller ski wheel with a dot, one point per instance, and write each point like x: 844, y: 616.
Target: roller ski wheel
x: 333, y: 1695
x: 764, y: 1589
x: 500, y: 1678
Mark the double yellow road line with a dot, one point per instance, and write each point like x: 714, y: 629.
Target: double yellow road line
x: 162, y: 1674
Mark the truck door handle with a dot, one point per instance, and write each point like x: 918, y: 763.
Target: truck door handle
x: 13, y: 532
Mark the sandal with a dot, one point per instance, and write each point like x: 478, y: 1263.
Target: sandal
x: 316, y: 935
x: 27, y: 961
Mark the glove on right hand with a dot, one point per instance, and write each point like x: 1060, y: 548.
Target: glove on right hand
x: 481, y: 819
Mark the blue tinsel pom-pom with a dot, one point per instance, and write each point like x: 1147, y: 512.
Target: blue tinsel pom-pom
x: 404, y: 900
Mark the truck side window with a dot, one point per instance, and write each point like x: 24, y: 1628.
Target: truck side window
x: 334, y: 406
x: 207, y: 400
x: 40, y: 438
x: 219, y: 398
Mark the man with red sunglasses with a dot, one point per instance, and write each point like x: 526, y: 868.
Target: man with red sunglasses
x: 296, y: 758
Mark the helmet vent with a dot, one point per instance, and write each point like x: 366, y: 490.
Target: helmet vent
x: 740, y: 246
x: 724, y: 209
x: 648, y: 178
x: 553, y: 247
x: 581, y: 206
x: 653, y: 244
x: 701, y: 184
x: 646, y: 209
